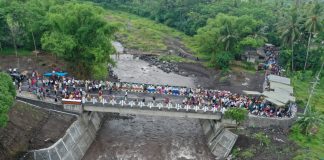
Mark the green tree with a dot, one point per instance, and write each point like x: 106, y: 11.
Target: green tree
x: 79, y: 34
x: 14, y: 29
x: 313, y: 25
x: 290, y: 31
x: 228, y: 35
x: 237, y: 114
x: 252, y: 42
x: 222, y: 60
x: 7, y: 97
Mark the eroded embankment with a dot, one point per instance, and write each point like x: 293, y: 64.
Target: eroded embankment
x: 31, y: 128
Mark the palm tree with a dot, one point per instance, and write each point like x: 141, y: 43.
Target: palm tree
x: 228, y: 38
x: 290, y: 32
x: 315, y: 83
x: 313, y: 25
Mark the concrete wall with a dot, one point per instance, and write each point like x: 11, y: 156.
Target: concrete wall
x: 74, y: 144
x: 258, y: 121
x: 42, y: 104
x: 220, y: 140
x: 262, y: 122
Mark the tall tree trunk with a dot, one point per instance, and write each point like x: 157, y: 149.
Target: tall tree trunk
x: 34, y: 42
x: 297, y: 3
x: 292, y: 57
x: 15, y: 47
x: 307, y: 52
x: 35, y: 49
x: 317, y: 79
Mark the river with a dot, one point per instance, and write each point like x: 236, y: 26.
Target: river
x: 148, y: 137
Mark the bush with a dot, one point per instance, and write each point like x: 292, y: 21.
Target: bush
x: 237, y: 114
x: 223, y: 60
x: 262, y: 138
x: 235, y: 152
x: 223, y: 79
x: 7, y: 97
x: 248, y: 154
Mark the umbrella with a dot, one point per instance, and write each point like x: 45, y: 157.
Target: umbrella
x: 60, y: 74
x: 48, y: 74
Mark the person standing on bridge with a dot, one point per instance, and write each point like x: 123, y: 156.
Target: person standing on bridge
x: 100, y: 93
x: 125, y: 95
x: 166, y: 100
x: 153, y: 99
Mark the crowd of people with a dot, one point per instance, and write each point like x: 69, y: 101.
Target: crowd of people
x: 70, y: 88
x: 57, y: 87
x: 223, y: 100
x: 54, y: 86
x: 271, y: 61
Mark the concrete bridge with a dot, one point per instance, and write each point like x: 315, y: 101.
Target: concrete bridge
x: 133, y: 106
x: 81, y: 133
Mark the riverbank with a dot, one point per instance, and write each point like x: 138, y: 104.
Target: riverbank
x: 235, y: 80
x: 31, y: 128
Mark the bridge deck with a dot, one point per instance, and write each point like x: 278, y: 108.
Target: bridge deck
x: 152, y: 109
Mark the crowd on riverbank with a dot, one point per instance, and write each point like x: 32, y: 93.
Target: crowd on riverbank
x: 70, y: 88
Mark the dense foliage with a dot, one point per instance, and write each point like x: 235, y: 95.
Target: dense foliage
x: 79, y: 34
x: 7, y: 97
x: 225, y: 36
x: 296, y: 26
x: 75, y: 31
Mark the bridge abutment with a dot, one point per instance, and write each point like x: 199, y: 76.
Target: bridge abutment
x: 220, y: 140
x: 76, y: 141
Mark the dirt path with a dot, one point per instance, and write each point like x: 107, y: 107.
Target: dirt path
x: 30, y: 128
x: 178, y: 48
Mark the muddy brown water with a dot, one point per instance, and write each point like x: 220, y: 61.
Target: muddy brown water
x: 148, y: 137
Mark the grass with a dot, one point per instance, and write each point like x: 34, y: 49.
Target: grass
x: 311, y: 146
x: 141, y: 33
x: 174, y: 59
x: 240, y: 66
x: 11, y: 51
x: 301, y: 91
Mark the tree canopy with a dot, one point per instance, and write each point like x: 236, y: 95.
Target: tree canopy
x: 7, y: 97
x: 72, y: 30
x: 79, y: 34
x: 227, y: 36
x: 295, y: 26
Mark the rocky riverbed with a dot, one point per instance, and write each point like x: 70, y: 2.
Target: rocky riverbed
x: 163, y: 65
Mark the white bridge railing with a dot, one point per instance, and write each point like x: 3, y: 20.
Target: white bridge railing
x: 150, y: 105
